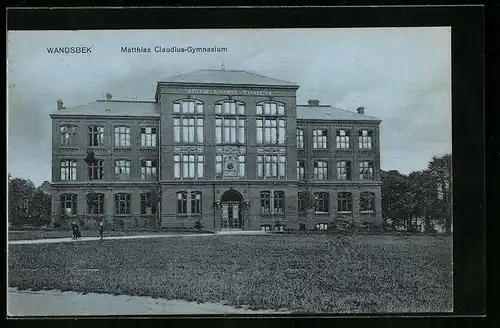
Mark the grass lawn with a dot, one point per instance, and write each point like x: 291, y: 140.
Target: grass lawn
x: 302, y: 273
x: 40, y: 234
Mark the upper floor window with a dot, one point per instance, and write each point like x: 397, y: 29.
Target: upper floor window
x: 96, y: 170
x: 188, y: 130
x: 322, y: 202
x: 272, y: 202
x: 68, y: 204
x: 365, y: 139
x: 148, y: 137
x: 320, y: 170
x: 270, y: 131
x: 344, y: 200
x: 300, y: 138
x: 271, y: 166
x: 188, y: 166
x: 301, y: 170
x: 122, y: 136
x: 146, y: 205
x: 122, y: 169
x: 365, y: 170
x: 122, y: 203
x: 230, y: 130
x: 219, y: 164
x: 188, y: 106
x: 270, y: 108
x: 68, y: 134
x: 96, y: 205
x: 343, y: 170
x: 148, y: 170
x: 367, y: 201
x: 343, y: 139
x: 68, y: 169
x: 96, y: 135
x: 320, y: 139
x: 230, y: 107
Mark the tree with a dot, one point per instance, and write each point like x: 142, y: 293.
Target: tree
x: 154, y: 199
x: 307, y: 197
x: 396, y: 197
x: 440, y: 172
x: 21, y: 192
x: 40, y: 209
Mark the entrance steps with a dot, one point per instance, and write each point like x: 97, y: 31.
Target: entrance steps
x: 240, y: 232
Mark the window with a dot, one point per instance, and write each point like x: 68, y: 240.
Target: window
x: 96, y: 170
x: 265, y: 202
x: 300, y: 138
x: 343, y: 170
x: 122, y: 169
x: 230, y: 130
x: 230, y: 107
x: 279, y: 202
x: 182, y: 207
x: 270, y: 131
x: 96, y: 206
x: 148, y: 170
x: 270, y: 108
x: 365, y: 170
x: 241, y: 163
x: 122, y: 203
x: 320, y: 139
x: 68, y: 204
x: 365, y: 139
x: 301, y: 170
x: 146, y: 206
x: 68, y: 169
x: 188, y: 106
x: 272, y: 202
x: 122, y: 136
x: 344, y: 202
x: 343, y: 141
x: 271, y: 166
x: 195, y: 202
x: 322, y: 202
x: 265, y: 227
x: 320, y: 170
x: 322, y: 226
x: 68, y: 135
x: 188, y: 166
x: 96, y: 135
x: 367, y: 201
x: 148, y: 137
x: 188, y: 130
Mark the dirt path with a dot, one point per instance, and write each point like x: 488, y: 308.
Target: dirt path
x: 69, y: 240
x: 55, y: 303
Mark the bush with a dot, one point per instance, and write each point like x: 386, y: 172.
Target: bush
x: 57, y: 225
x: 302, y: 226
x: 198, y: 225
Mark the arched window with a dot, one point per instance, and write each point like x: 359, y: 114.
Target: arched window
x: 68, y: 204
x: 95, y: 203
x: 322, y: 202
x: 230, y: 107
x: 188, y: 121
x: 68, y: 170
x: 68, y: 134
x: 188, y: 106
x: 96, y: 135
x: 344, y: 202
x: 367, y: 201
x: 122, y: 203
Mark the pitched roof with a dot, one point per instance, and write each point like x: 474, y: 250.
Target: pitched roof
x: 214, y: 76
x: 306, y: 112
x: 112, y: 108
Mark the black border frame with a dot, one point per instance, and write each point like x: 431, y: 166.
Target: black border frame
x: 467, y: 23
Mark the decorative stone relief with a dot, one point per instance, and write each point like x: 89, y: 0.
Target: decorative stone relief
x: 188, y: 149
x: 321, y: 153
x: 272, y: 150
x: 345, y: 153
x: 230, y: 149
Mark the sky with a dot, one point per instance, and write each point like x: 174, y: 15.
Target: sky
x: 400, y: 75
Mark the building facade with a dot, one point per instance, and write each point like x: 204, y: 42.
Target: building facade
x: 229, y: 149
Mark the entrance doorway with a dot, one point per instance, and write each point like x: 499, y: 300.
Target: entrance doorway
x: 231, y: 205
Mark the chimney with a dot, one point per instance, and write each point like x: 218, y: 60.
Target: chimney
x: 60, y: 105
x: 108, y: 96
x: 361, y: 110
x: 313, y: 102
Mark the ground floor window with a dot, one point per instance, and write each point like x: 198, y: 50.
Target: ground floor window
x: 265, y: 227
x: 322, y: 226
x: 68, y: 204
x: 279, y: 227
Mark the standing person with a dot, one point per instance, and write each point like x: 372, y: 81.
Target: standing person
x: 101, y: 229
x: 73, y: 229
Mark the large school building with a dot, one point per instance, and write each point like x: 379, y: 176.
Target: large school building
x: 228, y: 148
